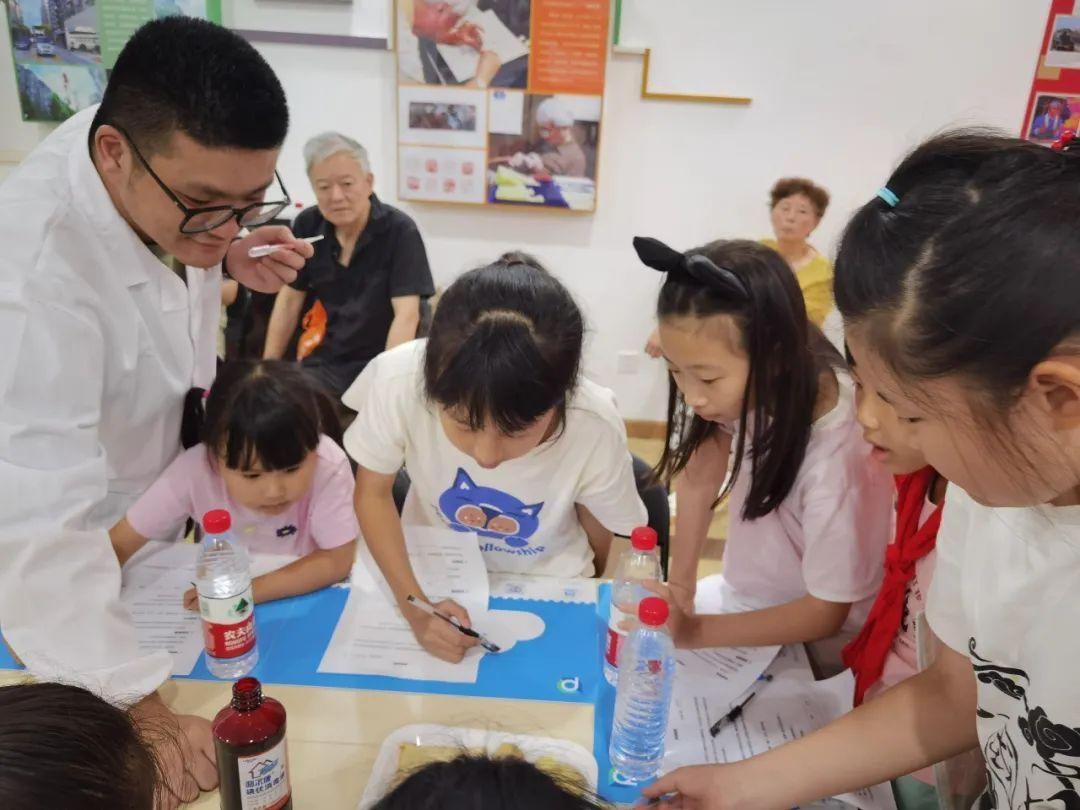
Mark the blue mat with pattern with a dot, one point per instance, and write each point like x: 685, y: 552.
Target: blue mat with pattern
x: 293, y: 634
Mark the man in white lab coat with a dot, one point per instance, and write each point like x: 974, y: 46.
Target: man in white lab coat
x: 101, y: 341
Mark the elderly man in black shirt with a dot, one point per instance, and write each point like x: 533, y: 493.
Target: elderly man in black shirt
x: 370, y: 271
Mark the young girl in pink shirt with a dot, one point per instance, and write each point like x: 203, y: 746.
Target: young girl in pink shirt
x: 269, y: 454
x: 810, y: 513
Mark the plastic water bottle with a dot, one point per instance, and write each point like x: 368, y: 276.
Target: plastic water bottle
x: 639, y: 563
x: 643, y: 698
x: 226, y: 604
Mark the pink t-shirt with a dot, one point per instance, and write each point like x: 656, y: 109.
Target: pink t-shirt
x: 190, y: 487
x: 827, y: 538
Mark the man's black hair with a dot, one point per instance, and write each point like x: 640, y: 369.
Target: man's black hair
x: 189, y: 75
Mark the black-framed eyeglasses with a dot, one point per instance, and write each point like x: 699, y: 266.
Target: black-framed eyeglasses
x: 201, y: 220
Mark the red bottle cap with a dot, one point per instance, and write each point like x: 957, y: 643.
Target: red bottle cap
x: 216, y: 521
x: 643, y: 538
x: 653, y: 611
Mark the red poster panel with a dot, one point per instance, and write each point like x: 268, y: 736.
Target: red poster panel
x: 1054, y: 102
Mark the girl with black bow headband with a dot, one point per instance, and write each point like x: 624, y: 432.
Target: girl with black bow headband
x: 809, y: 514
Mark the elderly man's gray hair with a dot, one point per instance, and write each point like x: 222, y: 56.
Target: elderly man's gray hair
x: 324, y: 145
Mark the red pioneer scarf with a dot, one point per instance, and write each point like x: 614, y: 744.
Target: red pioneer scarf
x: 867, y: 652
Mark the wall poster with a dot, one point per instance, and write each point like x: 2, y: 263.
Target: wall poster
x: 1054, y: 102
x: 62, y: 49
x: 500, y: 101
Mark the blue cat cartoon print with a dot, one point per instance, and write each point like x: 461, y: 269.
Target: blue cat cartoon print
x: 490, y: 512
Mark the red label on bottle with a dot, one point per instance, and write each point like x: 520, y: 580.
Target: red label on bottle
x: 616, y: 635
x: 614, y: 641
x: 229, y: 640
x: 228, y: 624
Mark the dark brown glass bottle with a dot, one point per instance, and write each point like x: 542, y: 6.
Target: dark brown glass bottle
x: 253, y: 762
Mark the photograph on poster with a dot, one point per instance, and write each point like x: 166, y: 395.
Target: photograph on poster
x: 542, y: 150
x: 57, y: 56
x: 1052, y: 115
x: 436, y: 174
x: 1064, y: 49
x: 442, y: 116
x: 471, y: 43
x: 57, y: 49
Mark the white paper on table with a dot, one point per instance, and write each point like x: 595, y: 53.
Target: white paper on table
x: 375, y: 639
x: 462, y: 59
x: 544, y: 589
x: 153, y: 583
x: 447, y: 564
x: 792, y: 663
x: 372, y: 637
x: 724, y: 674
x: 785, y: 709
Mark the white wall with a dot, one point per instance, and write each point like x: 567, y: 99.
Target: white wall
x: 841, y: 88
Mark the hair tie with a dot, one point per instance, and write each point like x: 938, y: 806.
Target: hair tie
x: 655, y: 254
x: 1065, y: 142
x: 889, y: 196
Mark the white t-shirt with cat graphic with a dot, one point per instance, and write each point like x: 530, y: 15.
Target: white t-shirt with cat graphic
x: 523, y: 510
x: 1006, y: 593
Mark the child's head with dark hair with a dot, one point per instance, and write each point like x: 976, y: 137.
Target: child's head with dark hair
x: 263, y: 423
x: 739, y: 348
x: 502, y: 358
x: 63, y: 747
x: 192, y: 118
x: 470, y: 782
x: 962, y: 304
x: 183, y: 74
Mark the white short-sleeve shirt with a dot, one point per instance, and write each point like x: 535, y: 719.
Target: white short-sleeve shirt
x: 1006, y: 593
x: 523, y: 510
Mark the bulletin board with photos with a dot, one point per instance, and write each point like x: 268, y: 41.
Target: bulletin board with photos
x: 1054, y: 102
x: 62, y: 49
x: 500, y: 101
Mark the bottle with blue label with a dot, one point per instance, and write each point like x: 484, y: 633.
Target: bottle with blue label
x: 252, y: 757
x: 643, y: 696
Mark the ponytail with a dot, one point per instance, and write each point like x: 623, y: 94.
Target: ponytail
x: 193, y: 418
x: 266, y: 411
x: 505, y: 346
